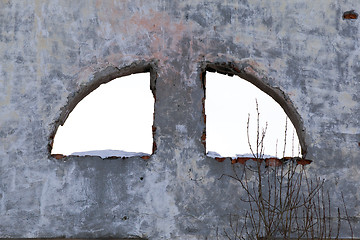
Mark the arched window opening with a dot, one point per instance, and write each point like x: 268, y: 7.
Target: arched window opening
x: 230, y: 104
x: 114, y: 120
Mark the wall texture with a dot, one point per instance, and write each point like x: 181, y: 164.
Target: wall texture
x: 52, y: 53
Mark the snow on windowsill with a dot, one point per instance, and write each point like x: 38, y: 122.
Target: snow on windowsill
x: 213, y: 154
x: 110, y: 153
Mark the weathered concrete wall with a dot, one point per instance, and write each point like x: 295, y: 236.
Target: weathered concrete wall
x: 52, y: 51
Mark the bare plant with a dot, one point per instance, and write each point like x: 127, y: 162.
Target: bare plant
x: 282, y: 200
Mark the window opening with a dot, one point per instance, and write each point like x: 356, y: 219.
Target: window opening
x: 114, y: 120
x: 228, y: 103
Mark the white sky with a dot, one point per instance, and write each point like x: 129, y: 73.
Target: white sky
x: 229, y: 101
x: 119, y: 116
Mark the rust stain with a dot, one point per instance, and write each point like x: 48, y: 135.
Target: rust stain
x: 269, y: 162
x: 350, y: 15
x: 154, y: 92
x: 145, y: 157
x: 241, y: 160
x: 152, y: 22
x: 273, y: 162
x: 236, y: 69
x: 220, y: 159
x: 58, y: 156
x: 159, y: 23
x: 154, y: 147
x: 153, y: 26
x: 303, y: 162
x: 203, y: 138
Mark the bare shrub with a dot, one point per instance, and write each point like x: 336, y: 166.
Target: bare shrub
x: 282, y: 200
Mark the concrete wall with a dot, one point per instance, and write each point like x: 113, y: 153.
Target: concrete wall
x: 52, y: 53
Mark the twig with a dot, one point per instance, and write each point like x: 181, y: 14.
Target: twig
x: 347, y: 216
x: 285, y: 136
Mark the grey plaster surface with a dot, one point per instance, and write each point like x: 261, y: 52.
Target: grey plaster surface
x: 52, y: 53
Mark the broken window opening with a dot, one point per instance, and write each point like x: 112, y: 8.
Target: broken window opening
x: 114, y: 120
x: 230, y: 102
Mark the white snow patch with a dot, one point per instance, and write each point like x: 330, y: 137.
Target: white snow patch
x: 249, y: 155
x: 110, y: 153
x: 213, y: 154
